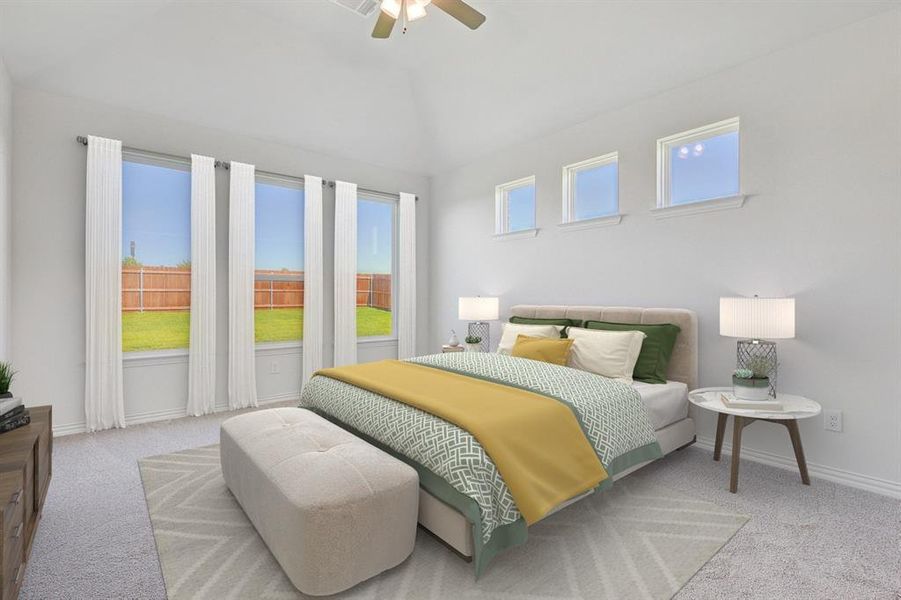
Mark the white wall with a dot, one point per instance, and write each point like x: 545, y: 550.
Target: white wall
x: 48, y: 237
x: 820, y: 140
x: 6, y: 108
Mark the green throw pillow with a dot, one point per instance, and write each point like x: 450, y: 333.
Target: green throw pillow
x: 558, y: 322
x: 656, y: 350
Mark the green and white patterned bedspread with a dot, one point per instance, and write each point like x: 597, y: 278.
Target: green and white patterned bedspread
x: 612, y: 415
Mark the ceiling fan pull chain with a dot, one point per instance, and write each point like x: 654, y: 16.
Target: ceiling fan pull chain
x: 403, y: 11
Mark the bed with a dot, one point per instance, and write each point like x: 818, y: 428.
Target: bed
x: 463, y: 500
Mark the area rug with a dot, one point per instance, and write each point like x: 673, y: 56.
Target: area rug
x: 635, y: 540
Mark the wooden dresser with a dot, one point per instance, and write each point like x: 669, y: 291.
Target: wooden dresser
x: 25, y: 465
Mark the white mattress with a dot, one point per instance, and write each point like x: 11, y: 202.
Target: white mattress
x: 666, y: 402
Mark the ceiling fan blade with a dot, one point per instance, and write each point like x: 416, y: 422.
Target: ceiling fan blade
x: 461, y: 11
x: 383, y: 26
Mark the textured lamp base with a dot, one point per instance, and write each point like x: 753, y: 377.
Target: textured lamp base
x: 751, y: 353
x: 482, y: 330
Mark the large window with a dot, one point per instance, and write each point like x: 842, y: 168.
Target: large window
x: 278, y: 253
x: 515, y: 206
x: 375, y: 266
x: 699, y: 165
x: 156, y: 254
x: 591, y: 190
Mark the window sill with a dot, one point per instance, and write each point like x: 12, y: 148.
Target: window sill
x: 593, y: 223
x: 177, y: 357
x: 516, y: 235
x: 154, y: 357
x: 377, y: 342
x: 694, y: 208
x: 278, y: 348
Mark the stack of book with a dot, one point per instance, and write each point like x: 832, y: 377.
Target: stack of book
x: 13, y: 414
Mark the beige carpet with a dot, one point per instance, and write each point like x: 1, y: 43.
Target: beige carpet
x: 635, y: 540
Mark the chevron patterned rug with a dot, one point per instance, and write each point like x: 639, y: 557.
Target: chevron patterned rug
x: 635, y: 540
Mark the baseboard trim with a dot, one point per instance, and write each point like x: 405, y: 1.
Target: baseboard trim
x: 290, y: 397
x: 869, y: 483
x: 155, y: 415
x: 68, y: 429
x: 166, y: 415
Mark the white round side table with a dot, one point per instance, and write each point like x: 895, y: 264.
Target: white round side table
x: 794, y: 409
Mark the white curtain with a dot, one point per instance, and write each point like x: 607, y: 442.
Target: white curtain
x: 104, y: 406
x: 242, y: 387
x: 345, y: 273
x: 406, y: 277
x: 202, y: 353
x: 312, y: 285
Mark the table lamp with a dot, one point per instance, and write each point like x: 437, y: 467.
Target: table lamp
x: 754, y: 319
x: 477, y: 310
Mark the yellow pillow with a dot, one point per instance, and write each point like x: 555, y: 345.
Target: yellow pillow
x: 543, y: 349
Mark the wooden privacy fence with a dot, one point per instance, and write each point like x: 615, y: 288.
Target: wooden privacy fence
x: 278, y: 289
x: 169, y: 288
x: 374, y: 289
x: 156, y: 288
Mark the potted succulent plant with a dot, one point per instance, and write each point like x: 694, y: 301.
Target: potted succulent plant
x: 753, y: 383
x: 7, y: 374
x: 473, y: 343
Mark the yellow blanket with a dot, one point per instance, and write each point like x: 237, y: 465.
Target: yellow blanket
x: 535, y: 441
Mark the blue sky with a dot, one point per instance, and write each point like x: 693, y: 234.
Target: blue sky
x: 156, y: 213
x: 157, y: 217
x: 707, y: 172
x: 375, y: 230
x: 596, y: 191
x: 521, y: 208
x: 279, y: 227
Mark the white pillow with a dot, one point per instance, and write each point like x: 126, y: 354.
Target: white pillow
x: 608, y: 353
x: 512, y: 330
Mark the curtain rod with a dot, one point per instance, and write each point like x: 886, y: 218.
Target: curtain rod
x: 83, y: 140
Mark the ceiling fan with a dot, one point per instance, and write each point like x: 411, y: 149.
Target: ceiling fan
x: 411, y: 10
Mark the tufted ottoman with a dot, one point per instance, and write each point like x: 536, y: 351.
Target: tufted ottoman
x: 333, y: 509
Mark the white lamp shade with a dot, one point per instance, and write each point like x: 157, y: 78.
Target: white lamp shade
x: 478, y: 309
x: 757, y: 318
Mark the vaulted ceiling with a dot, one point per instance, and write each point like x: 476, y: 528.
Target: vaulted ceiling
x: 307, y: 73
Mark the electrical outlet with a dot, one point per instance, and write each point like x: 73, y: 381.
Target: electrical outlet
x: 832, y: 420
x: 273, y: 368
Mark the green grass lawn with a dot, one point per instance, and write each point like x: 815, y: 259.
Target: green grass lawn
x: 163, y: 330
x: 373, y: 321
x: 278, y: 324
x: 166, y: 330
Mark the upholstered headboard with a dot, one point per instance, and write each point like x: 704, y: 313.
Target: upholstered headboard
x: 683, y: 365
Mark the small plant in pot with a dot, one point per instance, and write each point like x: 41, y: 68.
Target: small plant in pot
x: 473, y: 343
x: 751, y: 384
x: 7, y: 374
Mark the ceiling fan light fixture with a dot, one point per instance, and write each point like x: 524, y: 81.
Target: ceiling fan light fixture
x: 391, y: 8
x: 415, y: 10
x: 407, y: 11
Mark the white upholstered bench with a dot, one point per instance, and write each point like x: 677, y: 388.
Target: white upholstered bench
x: 333, y: 509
